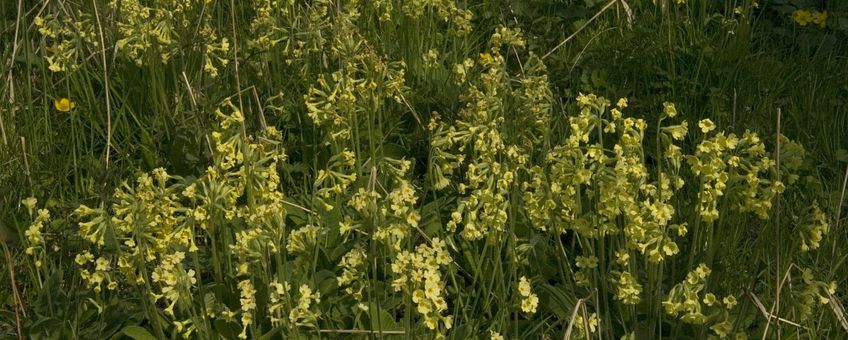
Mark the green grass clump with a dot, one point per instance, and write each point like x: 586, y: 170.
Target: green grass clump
x: 422, y: 169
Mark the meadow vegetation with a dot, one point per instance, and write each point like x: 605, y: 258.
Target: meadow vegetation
x: 275, y: 169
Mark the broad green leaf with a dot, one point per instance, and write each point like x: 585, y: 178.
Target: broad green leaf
x: 138, y: 333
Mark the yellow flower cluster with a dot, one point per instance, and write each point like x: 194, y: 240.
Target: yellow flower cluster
x: 685, y: 298
x: 529, y: 300
x: 216, y: 56
x: 149, y: 30
x: 505, y: 36
x: 446, y: 10
x: 175, y: 282
x: 363, y: 80
x: 460, y: 70
x: 585, y: 265
x: 619, y: 186
x: 740, y: 164
x: 161, y: 218
x: 478, y: 139
x: 248, y: 305
x: 333, y: 102
x: 418, y: 273
x: 431, y: 58
x: 400, y: 215
x: 812, y: 232
x: 303, y: 314
x: 628, y: 288
x: 266, y: 28
x: 535, y: 98
x: 277, y: 297
x: 67, y: 38
x: 146, y: 220
x: 95, y: 279
x: 304, y: 239
x: 143, y: 30
x: 353, y: 277
x: 586, y: 326
x: 35, y: 232
x: 251, y: 245
x: 363, y: 202
x: 804, y: 17
x: 812, y: 293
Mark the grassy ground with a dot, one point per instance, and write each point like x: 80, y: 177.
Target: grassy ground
x: 356, y: 89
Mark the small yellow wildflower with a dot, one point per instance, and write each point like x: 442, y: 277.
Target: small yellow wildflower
x: 710, y: 299
x: 524, y: 287
x: 722, y: 328
x: 529, y: 300
x: 802, y: 17
x: 669, y: 109
x: 64, y: 104
x: 820, y: 18
x: 729, y: 301
x: 486, y: 59
x: 706, y: 125
x: 529, y: 304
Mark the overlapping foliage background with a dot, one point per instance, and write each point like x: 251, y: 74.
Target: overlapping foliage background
x: 423, y: 169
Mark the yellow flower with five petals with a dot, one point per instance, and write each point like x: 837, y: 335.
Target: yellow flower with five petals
x: 802, y: 17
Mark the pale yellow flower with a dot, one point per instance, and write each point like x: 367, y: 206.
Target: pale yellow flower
x: 669, y: 109
x: 706, y: 125
x: 729, y: 301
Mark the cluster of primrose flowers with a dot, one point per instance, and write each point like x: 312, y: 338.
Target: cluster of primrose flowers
x: 595, y: 183
x: 145, y: 31
x: 66, y: 38
x: 152, y: 237
x: 529, y: 300
x: 158, y: 28
x: 814, y: 292
x: 478, y: 146
x: 420, y: 274
x: 34, y: 234
x: 688, y: 301
x: 586, y: 326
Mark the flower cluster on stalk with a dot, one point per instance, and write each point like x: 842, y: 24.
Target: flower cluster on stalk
x: 419, y: 274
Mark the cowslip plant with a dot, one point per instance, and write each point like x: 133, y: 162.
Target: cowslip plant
x: 512, y: 206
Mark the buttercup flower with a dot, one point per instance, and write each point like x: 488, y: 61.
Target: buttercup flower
x: 802, y: 17
x: 64, y: 104
x: 820, y: 18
